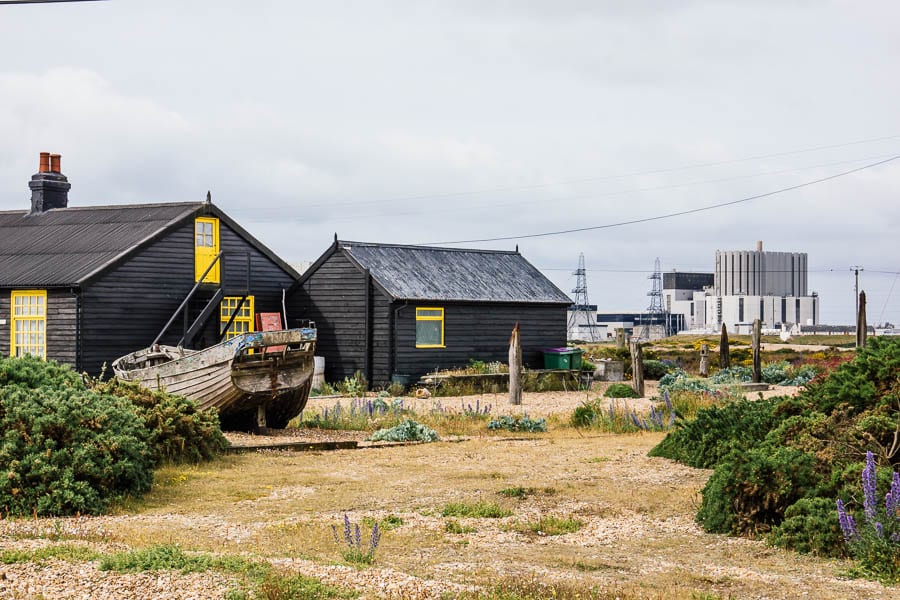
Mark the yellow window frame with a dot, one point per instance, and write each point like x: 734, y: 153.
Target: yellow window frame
x: 244, y: 322
x: 28, y: 321
x: 422, y: 314
x: 206, y: 247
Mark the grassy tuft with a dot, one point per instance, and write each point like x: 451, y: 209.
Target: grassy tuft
x: 478, y: 510
x: 550, y: 525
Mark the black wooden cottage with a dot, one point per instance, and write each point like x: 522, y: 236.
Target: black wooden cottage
x: 86, y: 285
x: 391, y: 310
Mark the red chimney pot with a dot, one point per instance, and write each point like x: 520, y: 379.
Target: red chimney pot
x: 45, y: 162
x: 55, y: 160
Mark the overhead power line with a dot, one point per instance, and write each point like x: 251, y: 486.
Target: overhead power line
x: 44, y: 1
x: 670, y: 215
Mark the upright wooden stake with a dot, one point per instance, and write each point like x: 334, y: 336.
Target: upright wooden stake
x: 757, y: 336
x: 704, y: 360
x: 724, y: 353
x: 515, y: 367
x: 637, y: 368
x: 861, y: 327
x: 620, y: 337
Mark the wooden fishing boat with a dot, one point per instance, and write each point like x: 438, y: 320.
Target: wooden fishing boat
x: 255, y: 380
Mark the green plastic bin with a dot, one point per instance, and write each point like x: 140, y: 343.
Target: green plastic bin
x: 576, y: 358
x: 558, y: 358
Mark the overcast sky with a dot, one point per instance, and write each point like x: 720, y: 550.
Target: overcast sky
x: 423, y: 121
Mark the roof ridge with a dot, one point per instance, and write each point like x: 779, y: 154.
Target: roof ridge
x: 107, y: 207
x: 346, y: 243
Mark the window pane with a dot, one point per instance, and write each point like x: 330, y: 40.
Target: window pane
x: 428, y: 333
x: 429, y: 312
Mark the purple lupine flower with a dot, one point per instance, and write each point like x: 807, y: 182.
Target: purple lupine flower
x: 868, y: 482
x: 347, y: 536
x: 671, y: 418
x: 376, y: 537
x: 668, y: 402
x: 357, y: 538
x: 879, y: 529
x: 636, y: 421
x: 892, y: 499
x: 848, y: 526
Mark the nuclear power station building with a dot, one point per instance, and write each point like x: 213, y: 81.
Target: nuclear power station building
x: 746, y: 285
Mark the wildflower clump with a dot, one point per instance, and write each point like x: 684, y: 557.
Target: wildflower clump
x: 522, y: 423
x: 350, y: 542
x: 875, y: 541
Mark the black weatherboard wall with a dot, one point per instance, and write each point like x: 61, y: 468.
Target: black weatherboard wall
x: 113, y: 275
x: 364, y: 296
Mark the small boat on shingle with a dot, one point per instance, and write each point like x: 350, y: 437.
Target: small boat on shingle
x: 255, y: 380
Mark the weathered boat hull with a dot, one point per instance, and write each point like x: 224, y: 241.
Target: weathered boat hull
x: 243, y: 378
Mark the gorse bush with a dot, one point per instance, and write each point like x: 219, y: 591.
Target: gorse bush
x: 788, y: 466
x: 178, y: 432
x: 68, y: 451
x: 68, y: 447
x: 718, y: 430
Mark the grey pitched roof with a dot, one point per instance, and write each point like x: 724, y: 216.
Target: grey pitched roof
x: 65, y: 246
x: 454, y: 274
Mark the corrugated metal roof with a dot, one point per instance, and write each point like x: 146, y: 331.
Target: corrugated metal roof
x: 454, y: 274
x: 64, y: 246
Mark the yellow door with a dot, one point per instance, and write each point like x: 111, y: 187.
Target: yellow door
x: 206, y: 247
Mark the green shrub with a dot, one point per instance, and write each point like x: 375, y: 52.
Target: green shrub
x: 717, y: 430
x: 73, y: 447
x: 750, y: 491
x: 178, y: 432
x: 407, y: 431
x: 354, y: 386
x: 620, y: 390
x: 810, y: 526
x: 521, y: 423
x: 678, y: 380
x: 656, y: 369
x: 69, y: 450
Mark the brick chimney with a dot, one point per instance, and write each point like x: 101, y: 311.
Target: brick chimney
x: 49, y: 187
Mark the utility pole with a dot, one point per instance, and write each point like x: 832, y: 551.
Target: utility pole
x: 856, y: 269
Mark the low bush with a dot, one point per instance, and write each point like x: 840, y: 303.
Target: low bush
x: 68, y: 450
x: 718, y: 430
x: 656, y: 369
x: 810, y: 526
x: 520, y: 423
x: 178, y: 431
x: 620, y: 390
x: 749, y: 492
x: 73, y: 447
x: 407, y: 431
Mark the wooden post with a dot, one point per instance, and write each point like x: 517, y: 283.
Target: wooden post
x: 704, y: 360
x: 861, y: 328
x: 637, y: 368
x: 620, y: 337
x: 724, y: 354
x: 757, y: 336
x: 515, y: 367
x: 261, y: 419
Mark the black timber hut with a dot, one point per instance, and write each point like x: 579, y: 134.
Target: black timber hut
x: 388, y: 310
x: 85, y: 285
